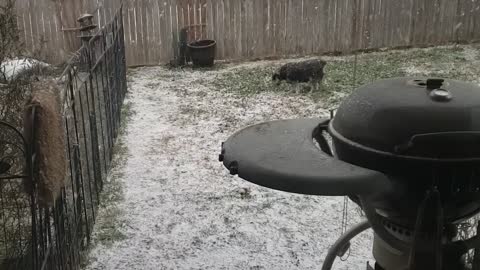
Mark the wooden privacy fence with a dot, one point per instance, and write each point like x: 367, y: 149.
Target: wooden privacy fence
x: 246, y: 29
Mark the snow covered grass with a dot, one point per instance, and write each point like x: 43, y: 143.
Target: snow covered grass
x: 169, y: 203
x: 107, y: 229
x: 455, y: 62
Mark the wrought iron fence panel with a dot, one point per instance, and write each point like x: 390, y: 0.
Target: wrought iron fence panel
x: 37, y: 237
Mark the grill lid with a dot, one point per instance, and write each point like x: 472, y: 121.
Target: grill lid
x: 420, y: 117
x: 282, y: 155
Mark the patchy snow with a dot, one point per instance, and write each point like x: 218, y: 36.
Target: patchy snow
x: 182, y: 210
x: 12, y: 68
x: 414, y: 70
x: 178, y: 208
x: 471, y: 53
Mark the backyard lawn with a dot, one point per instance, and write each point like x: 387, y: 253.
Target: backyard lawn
x: 168, y: 202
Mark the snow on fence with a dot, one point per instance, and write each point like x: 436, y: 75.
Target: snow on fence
x: 247, y: 29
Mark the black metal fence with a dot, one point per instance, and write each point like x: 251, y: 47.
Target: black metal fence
x: 94, y: 87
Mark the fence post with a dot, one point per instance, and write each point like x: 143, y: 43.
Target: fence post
x: 86, y: 28
x: 29, y: 155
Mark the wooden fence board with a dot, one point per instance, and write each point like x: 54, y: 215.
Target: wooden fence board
x: 139, y: 51
x: 321, y: 33
x: 270, y: 26
x: 219, y: 26
x: 256, y: 27
x: 476, y: 25
x: 238, y: 14
x: 460, y: 19
x: 129, y: 43
x: 246, y: 29
x: 228, y: 29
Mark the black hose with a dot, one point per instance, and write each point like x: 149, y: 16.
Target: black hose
x: 342, y: 241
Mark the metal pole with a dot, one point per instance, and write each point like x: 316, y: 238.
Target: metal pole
x: 342, y: 241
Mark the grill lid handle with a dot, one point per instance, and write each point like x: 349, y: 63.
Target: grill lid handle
x: 452, y: 145
x: 282, y: 155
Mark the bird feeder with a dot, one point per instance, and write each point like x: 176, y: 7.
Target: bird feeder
x: 86, y: 27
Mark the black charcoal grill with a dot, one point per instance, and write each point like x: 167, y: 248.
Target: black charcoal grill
x: 407, y: 150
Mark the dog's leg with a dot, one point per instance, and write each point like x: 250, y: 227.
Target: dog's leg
x: 313, y: 84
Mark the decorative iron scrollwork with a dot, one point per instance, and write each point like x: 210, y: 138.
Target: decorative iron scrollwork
x: 15, y: 212
x: 12, y: 152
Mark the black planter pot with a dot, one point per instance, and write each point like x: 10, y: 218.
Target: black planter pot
x: 202, y: 52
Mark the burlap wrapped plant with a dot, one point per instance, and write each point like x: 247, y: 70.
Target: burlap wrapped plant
x: 44, y: 130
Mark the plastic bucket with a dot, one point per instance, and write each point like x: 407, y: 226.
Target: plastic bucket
x: 202, y: 52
